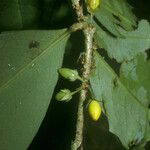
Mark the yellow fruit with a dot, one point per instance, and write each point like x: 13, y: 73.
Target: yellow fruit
x: 93, y: 4
x: 95, y: 110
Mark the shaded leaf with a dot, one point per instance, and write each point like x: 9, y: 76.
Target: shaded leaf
x: 139, y: 148
x: 127, y: 47
x: 57, y: 15
x: 114, y: 13
x: 28, y: 74
x: 127, y: 116
x: 20, y: 14
x: 148, y: 133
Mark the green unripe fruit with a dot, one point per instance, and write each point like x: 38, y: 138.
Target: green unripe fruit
x: 95, y: 110
x: 69, y: 74
x: 64, y: 95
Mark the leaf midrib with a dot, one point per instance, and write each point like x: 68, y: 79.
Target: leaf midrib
x: 54, y: 42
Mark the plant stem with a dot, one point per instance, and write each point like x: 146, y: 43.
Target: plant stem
x: 78, y: 10
x: 77, y: 90
x: 88, y: 33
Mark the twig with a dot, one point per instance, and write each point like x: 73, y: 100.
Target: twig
x: 89, y: 33
x: 78, y: 10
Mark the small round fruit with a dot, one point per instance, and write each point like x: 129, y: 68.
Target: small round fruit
x: 95, y: 110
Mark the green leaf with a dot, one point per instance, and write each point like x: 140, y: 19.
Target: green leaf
x: 28, y: 74
x: 127, y: 47
x: 127, y: 116
x: 135, y: 75
x: 19, y: 14
x: 114, y: 13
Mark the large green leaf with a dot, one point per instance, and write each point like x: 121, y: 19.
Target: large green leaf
x: 127, y: 47
x: 19, y: 14
x: 127, y: 116
x: 28, y: 74
x: 112, y: 13
x: 135, y: 74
